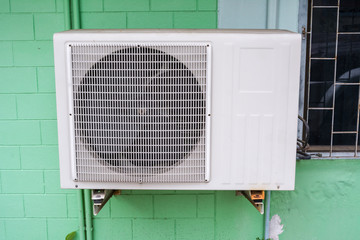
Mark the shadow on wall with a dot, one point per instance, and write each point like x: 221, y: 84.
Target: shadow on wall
x: 186, y: 214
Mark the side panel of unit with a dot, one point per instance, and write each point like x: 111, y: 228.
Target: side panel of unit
x: 62, y: 75
x: 255, y: 112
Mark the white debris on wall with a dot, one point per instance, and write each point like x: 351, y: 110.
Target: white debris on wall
x: 275, y: 228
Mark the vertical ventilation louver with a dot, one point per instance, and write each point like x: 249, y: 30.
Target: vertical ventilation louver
x: 139, y: 112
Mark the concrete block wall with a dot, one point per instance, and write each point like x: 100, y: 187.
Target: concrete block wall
x: 149, y: 14
x: 32, y: 205
x: 178, y: 215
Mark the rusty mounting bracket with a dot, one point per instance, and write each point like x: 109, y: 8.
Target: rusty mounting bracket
x: 255, y: 197
x: 100, y: 198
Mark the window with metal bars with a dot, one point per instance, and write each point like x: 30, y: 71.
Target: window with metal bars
x: 333, y: 77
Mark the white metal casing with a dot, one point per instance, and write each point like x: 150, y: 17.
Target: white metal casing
x: 254, y: 104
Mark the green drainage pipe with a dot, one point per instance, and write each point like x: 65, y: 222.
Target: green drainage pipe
x: 67, y: 14
x: 76, y: 14
x: 79, y: 193
x: 81, y: 212
x: 87, y: 192
x: 88, y: 214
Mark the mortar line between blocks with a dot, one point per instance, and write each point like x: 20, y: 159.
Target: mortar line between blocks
x: 37, y: 78
x: 41, y: 140
x: 33, y: 25
x: 175, y: 229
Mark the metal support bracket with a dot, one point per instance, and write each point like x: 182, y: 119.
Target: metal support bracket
x: 255, y: 197
x: 100, y: 198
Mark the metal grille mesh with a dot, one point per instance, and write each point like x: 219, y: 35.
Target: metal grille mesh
x: 139, y: 112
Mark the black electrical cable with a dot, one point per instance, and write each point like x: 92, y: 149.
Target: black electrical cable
x: 303, y: 144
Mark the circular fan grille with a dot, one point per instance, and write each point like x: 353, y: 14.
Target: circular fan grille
x: 140, y: 105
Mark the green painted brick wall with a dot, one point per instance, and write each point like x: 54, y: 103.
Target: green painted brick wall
x: 32, y: 205
x: 149, y: 14
x: 30, y: 194
x: 324, y: 205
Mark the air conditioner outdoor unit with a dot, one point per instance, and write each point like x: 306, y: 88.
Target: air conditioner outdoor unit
x: 177, y: 109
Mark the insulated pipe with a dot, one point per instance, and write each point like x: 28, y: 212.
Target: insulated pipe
x: 79, y: 193
x: 87, y: 192
x: 88, y: 214
x: 67, y: 14
x: 267, y: 214
x: 81, y: 212
x: 76, y: 14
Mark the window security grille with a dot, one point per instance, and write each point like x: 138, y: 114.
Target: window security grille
x: 139, y: 111
x: 333, y: 84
